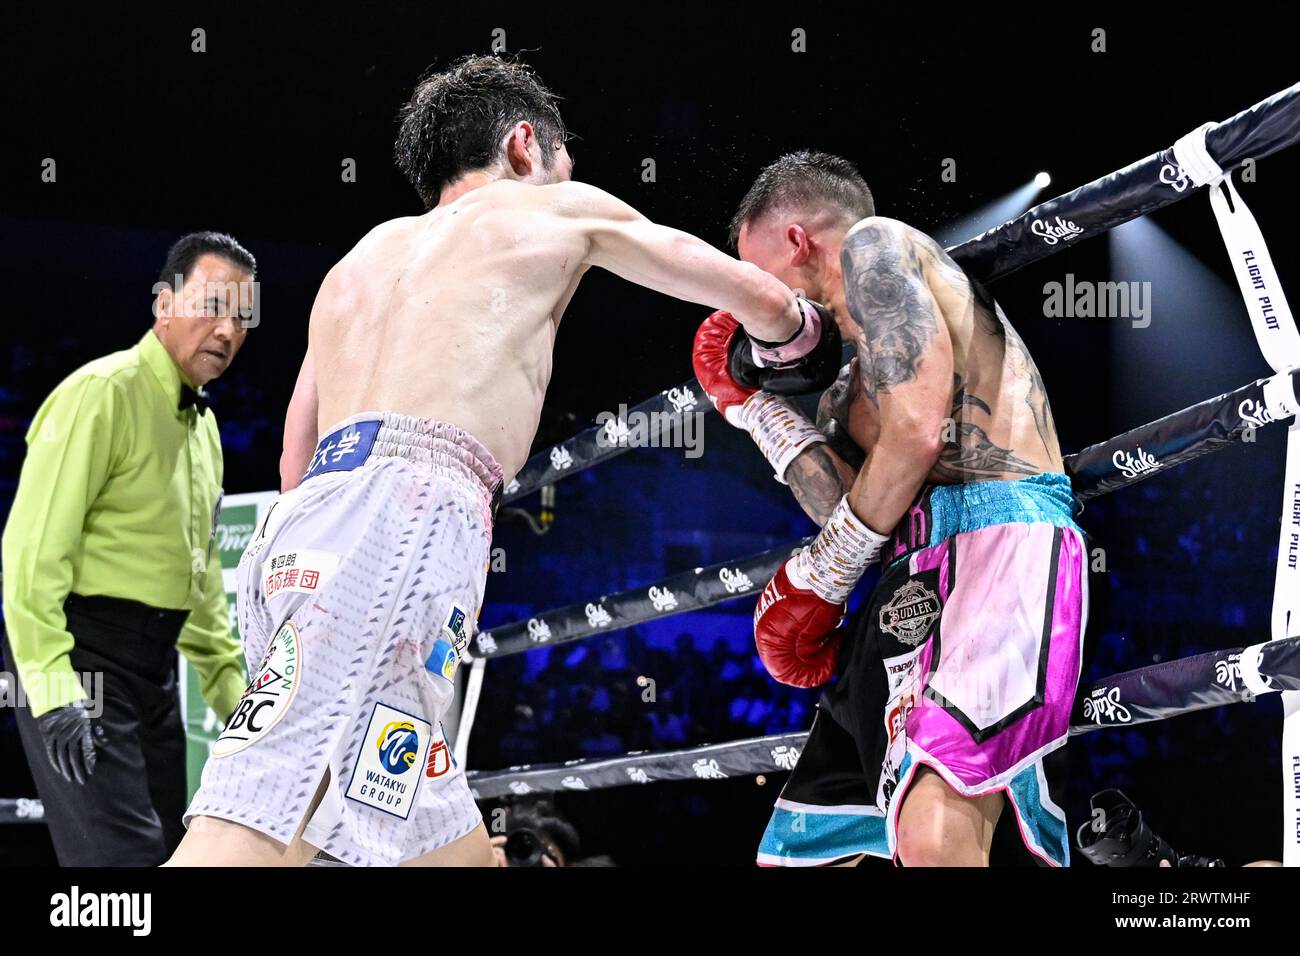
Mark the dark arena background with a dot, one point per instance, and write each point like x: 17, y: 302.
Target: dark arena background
x: 280, y: 131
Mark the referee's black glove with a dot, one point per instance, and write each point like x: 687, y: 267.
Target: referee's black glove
x: 69, y: 741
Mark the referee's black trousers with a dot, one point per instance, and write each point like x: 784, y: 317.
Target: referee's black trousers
x: 128, y: 813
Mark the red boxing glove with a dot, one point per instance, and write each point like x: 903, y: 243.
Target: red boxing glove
x: 796, y: 632
x: 710, y: 360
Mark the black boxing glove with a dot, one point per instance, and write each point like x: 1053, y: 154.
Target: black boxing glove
x: 809, y: 361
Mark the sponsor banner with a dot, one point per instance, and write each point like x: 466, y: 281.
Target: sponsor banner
x: 298, y: 570
x: 237, y: 520
x: 394, y: 756
x: 1183, y: 686
x: 236, y: 523
x: 1209, y: 426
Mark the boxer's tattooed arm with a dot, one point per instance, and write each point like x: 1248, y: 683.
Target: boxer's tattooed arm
x: 968, y: 452
x: 822, y: 474
x: 818, y: 479
x: 885, y: 284
x: 833, y: 416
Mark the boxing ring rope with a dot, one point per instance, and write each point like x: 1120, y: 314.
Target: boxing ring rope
x: 1124, y: 460
x: 1134, y: 697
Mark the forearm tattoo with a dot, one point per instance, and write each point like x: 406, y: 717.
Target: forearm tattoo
x: 816, y: 483
x: 817, y: 479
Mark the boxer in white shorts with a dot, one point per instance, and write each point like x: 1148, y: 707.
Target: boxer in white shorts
x: 428, y: 356
x: 356, y: 595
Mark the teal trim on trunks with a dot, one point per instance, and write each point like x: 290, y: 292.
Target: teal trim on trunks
x: 955, y: 509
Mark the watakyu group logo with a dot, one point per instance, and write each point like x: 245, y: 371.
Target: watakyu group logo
x: 399, y: 746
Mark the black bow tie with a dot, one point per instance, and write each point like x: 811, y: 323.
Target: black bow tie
x: 190, y: 397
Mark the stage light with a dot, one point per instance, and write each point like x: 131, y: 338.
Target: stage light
x: 1042, y: 180
x: 986, y: 217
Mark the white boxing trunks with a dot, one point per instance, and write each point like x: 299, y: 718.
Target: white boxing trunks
x: 356, y: 595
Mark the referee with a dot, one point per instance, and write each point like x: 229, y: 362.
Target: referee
x: 109, y: 567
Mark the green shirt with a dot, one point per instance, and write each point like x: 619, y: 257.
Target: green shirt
x: 117, y: 497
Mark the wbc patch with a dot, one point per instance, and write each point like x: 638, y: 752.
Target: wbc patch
x: 268, y: 696
x: 301, y: 570
x: 393, y: 751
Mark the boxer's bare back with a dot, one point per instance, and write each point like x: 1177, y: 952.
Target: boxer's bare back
x: 452, y: 315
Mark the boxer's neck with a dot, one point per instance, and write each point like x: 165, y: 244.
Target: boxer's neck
x: 467, y: 183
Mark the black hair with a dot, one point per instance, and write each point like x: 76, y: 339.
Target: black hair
x: 186, y: 251
x: 805, y: 178
x: 455, y: 121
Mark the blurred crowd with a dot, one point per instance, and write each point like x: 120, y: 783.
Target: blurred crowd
x: 616, y: 694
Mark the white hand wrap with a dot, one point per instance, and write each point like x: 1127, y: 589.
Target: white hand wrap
x: 778, y: 428
x: 835, y: 561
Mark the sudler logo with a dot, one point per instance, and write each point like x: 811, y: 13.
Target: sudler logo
x: 1132, y: 465
x: 909, y: 613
